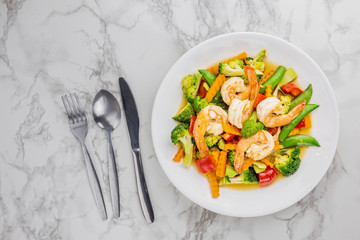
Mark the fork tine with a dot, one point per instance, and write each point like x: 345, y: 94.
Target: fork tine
x: 67, y: 109
x: 76, y: 108
x: 80, y: 108
x: 72, y: 108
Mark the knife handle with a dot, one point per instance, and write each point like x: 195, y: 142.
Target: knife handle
x: 142, y: 188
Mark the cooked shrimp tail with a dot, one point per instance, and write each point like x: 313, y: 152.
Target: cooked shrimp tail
x: 210, y: 119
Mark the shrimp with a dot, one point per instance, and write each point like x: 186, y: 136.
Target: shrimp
x: 209, y: 119
x: 268, y: 112
x: 240, y: 110
x: 256, y: 147
x: 234, y: 88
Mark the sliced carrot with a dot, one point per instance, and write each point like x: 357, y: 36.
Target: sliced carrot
x: 268, y: 91
x: 241, y: 56
x: 179, y: 155
x: 231, y: 129
x: 267, y: 162
x: 214, y: 185
x: 215, y: 87
x: 215, y: 156
x: 266, y: 77
x: 221, y: 166
x: 308, y: 121
x: 214, y: 69
x: 247, y: 164
x: 295, y: 131
x: 229, y: 146
x: 277, y: 146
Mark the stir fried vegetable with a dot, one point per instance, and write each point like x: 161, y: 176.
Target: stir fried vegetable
x: 243, y: 122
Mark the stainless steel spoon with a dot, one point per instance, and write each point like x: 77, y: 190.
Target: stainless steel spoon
x: 107, y: 114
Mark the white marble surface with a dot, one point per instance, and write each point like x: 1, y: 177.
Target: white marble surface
x: 48, y: 48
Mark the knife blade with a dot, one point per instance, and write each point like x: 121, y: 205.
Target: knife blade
x: 132, y: 121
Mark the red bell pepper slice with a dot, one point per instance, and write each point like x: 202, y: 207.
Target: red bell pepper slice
x: 291, y: 88
x: 192, y: 123
x: 301, y: 124
x: 268, y: 176
x: 228, y: 136
x: 258, y: 99
x: 205, y: 164
x: 202, y: 90
x: 272, y: 131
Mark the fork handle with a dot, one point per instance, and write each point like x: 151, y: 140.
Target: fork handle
x: 113, y: 180
x: 94, y: 183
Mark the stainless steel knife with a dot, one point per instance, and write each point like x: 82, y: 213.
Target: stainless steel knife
x: 132, y: 120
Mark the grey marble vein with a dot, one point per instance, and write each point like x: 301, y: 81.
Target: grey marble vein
x: 48, y: 48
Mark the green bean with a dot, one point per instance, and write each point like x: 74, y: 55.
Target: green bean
x: 305, y: 95
x: 208, y: 76
x: 300, y: 140
x: 274, y: 79
x: 285, y: 131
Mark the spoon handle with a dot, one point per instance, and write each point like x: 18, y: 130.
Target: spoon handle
x: 113, y: 180
x: 142, y: 188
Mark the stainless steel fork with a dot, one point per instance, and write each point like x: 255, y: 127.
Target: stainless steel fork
x: 79, y: 126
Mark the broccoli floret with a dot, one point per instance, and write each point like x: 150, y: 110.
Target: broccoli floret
x: 200, y: 103
x: 250, y: 175
x: 211, y: 140
x: 289, y: 162
x: 227, y: 70
x: 259, y: 67
x: 260, y: 56
x: 218, y: 101
x: 236, y: 63
x: 231, y: 157
x: 251, y: 127
x: 190, y: 86
x: 180, y: 135
x: 285, y: 103
x: 185, y: 114
x: 246, y: 177
x: 230, y: 172
x: 257, y: 62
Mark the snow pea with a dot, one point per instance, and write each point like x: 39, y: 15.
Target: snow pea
x: 208, y: 76
x: 285, y: 131
x: 300, y: 140
x: 274, y: 79
x: 305, y: 95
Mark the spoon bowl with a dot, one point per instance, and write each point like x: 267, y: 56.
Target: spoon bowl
x: 106, y: 110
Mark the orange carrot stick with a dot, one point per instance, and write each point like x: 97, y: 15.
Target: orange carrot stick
x: 221, y: 167
x: 214, y: 185
x: 265, y: 78
x: 179, y: 155
x: 231, y: 129
x: 267, y: 162
x: 215, y: 156
x: 229, y: 146
x: 247, y: 164
x: 215, y: 87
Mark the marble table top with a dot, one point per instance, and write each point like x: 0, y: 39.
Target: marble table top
x: 48, y: 48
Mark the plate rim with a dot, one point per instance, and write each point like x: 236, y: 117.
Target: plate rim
x: 336, y: 116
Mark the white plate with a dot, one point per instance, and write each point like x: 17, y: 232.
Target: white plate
x: 284, y: 192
